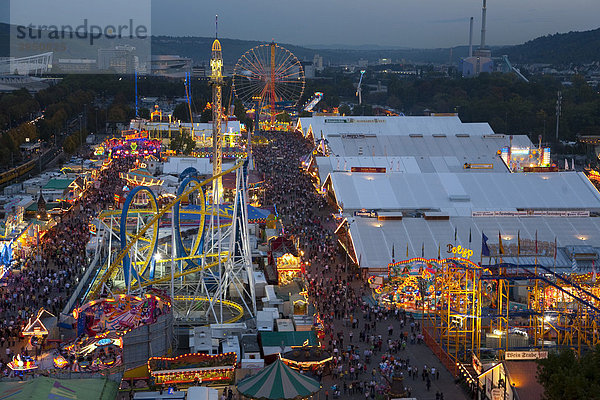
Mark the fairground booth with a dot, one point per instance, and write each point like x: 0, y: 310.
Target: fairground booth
x: 193, y: 369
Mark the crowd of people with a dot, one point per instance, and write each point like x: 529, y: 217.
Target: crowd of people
x: 368, y: 343
x: 50, y: 269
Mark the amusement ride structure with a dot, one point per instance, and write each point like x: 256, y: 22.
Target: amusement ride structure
x: 192, y: 246
x: 467, y: 308
x: 268, y: 76
x: 216, y: 79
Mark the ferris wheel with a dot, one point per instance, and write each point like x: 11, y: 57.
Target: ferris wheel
x: 269, y: 75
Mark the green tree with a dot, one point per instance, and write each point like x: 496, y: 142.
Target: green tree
x: 283, y: 117
x: 181, y: 112
x: 117, y: 113
x: 144, y: 113
x: 564, y: 376
x: 183, y: 142
x: 206, y: 115
x: 344, y: 109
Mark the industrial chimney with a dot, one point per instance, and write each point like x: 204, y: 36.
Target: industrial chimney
x: 483, y: 12
x: 471, y: 38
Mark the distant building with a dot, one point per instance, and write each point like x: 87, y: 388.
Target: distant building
x: 120, y: 59
x: 318, y: 62
x: 363, y: 63
x: 76, y: 65
x: 473, y: 66
x: 172, y: 66
x: 30, y: 65
x: 10, y: 83
x: 199, y: 71
x: 480, y: 60
x: 385, y: 61
x: 309, y: 69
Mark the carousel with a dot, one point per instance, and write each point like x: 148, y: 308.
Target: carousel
x: 22, y: 365
x: 308, y: 358
x: 101, y: 325
x: 409, y: 284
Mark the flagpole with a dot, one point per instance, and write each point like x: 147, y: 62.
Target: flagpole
x: 536, y: 251
x: 518, y: 248
x: 555, y: 254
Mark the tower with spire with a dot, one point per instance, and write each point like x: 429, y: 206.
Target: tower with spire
x: 216, y: 79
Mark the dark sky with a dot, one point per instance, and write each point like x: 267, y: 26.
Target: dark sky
x: 410, y: 23
x: 397, y: 23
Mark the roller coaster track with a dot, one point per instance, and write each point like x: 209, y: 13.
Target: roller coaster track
x: 107, y: 272
x: 529, y: 274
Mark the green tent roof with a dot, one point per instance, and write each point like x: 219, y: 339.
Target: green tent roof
x: 278, y: 381
x: 58, y: 184
x: 33, y: 207
x: 295, y: 338
x: 49, y: 388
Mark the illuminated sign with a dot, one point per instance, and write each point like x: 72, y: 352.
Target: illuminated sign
x: 460, y: 251
x: 505, y: 155
x: 366, y: 213
x: 531, y: 213
x: 477, y: 366
x: 372, y: 170
x: 546, y: 156
x: 353, y: 120
x: 541, y: 169
x: 519, y: 151
x: 525, y: 355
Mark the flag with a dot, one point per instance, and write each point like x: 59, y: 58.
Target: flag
x: 593, y: 271
x: 500, y: 246
x: 439, y: 251
x: 422, y: 249
x: 536, y: 249
x: 469, y: 236
x: 555, y: 249
x: 573, y: 262
x: 485, y: 250
x: 393, y: 254
x: 406, y: 250
x: 455, y: 234
x: 519, y: 242
x: 566, y: 165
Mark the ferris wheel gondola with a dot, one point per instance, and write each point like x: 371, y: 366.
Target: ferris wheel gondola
x: 268, y: 76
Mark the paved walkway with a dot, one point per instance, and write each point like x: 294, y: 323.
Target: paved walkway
x: 418, y: 355
x: 302, y: 208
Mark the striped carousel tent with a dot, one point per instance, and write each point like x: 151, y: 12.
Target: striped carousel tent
x: 278, y: 381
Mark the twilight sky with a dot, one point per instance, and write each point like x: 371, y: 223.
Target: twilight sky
x: 398, y: 23
x: 408, y: 23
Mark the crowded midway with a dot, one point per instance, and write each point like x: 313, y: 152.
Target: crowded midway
x: 47, y: 277
x: 371, y: 345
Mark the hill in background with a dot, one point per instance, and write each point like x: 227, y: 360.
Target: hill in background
x: 558, y: 49
x: 198, y: 49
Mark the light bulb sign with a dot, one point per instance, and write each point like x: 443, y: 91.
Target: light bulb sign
x: 459, y: 251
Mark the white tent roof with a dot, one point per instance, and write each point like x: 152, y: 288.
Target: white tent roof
x: 394, y: 126
x: 373, y: 239
x: 461, y: 194
x: 176, y: 165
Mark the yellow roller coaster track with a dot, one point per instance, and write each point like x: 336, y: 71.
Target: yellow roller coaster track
x: 112, y: 269
x: 227, y: 303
